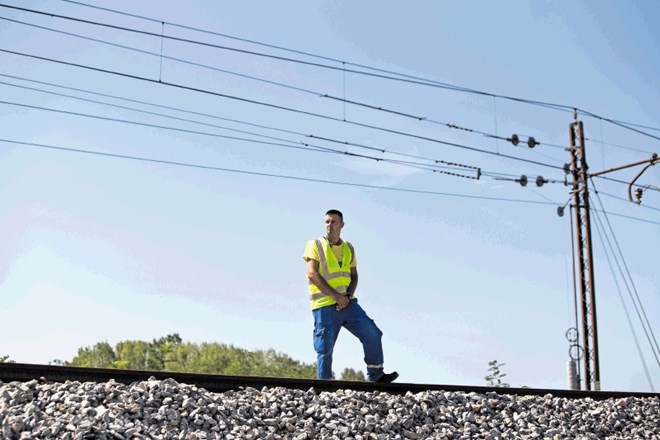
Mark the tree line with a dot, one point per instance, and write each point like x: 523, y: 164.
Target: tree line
x: 171, y: 353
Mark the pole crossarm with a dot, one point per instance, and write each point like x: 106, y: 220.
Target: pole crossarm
x: 652, y: 161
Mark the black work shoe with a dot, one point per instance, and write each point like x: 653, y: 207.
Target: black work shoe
x: 388, y: 377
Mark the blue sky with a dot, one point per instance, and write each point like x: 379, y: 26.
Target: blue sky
x: 456, y: 271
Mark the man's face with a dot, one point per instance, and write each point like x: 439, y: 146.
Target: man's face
x: 333, y: 225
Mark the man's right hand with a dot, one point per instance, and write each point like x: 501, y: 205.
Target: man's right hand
x: 342, y: 301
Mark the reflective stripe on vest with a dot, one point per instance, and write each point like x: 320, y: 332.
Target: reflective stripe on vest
x: 339, y: 278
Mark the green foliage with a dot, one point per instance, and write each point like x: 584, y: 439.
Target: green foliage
x: 494, y: 379
x: 99, y: 355
x: 351, y: 374
x: 5, y: 358
x: 172, y: 354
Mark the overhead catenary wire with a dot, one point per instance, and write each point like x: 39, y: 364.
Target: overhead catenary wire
x: 398, y: 77
x: 600, y: 141
x: 624, y: 199
x: 297, y: 178
x: 499, y: 176
x: 279, y: 176
x: 344, y: 100
x: 402, y: 133
x: 286, y: 144
x: 433, y: 161
x: 426, y: 81
x: 449, y: 125
x: 435, y: 165
x: 278, y: 107
x: 433, y: 140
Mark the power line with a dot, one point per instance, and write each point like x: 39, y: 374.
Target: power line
x: 398, y: 77
x: 426, y: 81
x: 380, y: 128
x: 292, y: 144
x: 288, y: 177
x: 513, y: 139
x: 498, y: 176
x: 639, y: 150
x: 448, y: 165
x: 434, y: 166
x: 646, y: 206
x: 279, y: 176
x: 278, y: 107
x: 379, y: 149
x: 312, y: 114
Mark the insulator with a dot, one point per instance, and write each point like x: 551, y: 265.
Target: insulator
x: 523, y: 180
x: 571, y: 372
x: 531, y: 142
x: 514, y: 140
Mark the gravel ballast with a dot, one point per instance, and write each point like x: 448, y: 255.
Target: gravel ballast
x: 165, y: 409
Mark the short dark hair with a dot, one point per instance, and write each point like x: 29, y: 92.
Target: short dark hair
x: 335, y: 212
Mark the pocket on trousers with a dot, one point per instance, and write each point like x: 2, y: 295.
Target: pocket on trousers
x: 322, y: 340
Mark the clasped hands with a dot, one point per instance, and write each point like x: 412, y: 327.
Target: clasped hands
x: 342, y: 301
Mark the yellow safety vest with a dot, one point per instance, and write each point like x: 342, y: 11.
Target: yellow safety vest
x: 339, y: 277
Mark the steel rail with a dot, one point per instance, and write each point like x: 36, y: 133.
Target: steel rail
x: 10, y: 372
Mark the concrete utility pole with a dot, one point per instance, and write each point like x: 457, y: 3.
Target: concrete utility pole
x: 589, y: 331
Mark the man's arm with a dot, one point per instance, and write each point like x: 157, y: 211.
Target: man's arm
x: 354, y: 281
x: 315, y: 277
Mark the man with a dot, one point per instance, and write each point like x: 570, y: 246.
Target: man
x: 333, y: 278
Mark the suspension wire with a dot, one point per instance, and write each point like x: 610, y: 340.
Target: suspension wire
x: 256, y: 125
x: 619, y: 124
x: 379, y: 149
x: 431, y: 167
x: 343, y: 99
x: 306, y: 91
x: 290, y: 144
x: 121, y: 98
x: 398, y: 77
x: 601, y: 232
x: 641, y: 312
x: 628, y: 217
x: 398, y: 74
x: 600, y: 141
x: 611, y: 179
x: 161, y: 57
x: 313, y: 114
x: 279, y: 176
x: 645, y: 206
x: 278, y: 107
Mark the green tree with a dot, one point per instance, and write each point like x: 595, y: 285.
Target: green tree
x: 4, y: 359
x: 494, y: 379
x: 351, y: 374
x: 132, y: 355
x: 101, y: 355
x: 170, y: 353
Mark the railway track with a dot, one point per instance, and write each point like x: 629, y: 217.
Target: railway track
x: 219, y: 383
